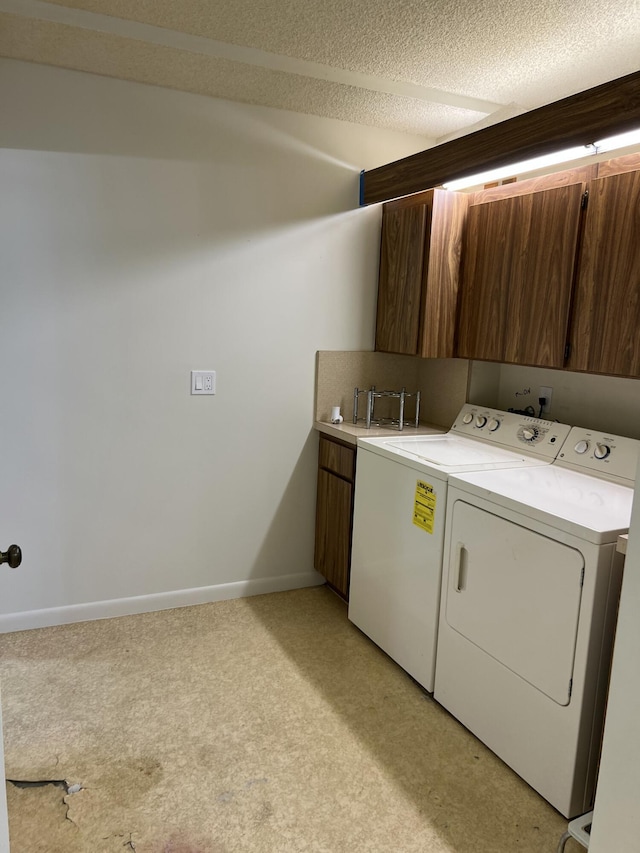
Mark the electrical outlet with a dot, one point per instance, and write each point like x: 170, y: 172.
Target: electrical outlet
x: 203, y: 382
x: 547, y: 393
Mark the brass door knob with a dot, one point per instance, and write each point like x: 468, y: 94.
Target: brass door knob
x: 13, y: 556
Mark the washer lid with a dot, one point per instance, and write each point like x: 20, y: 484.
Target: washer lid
x: 448, y: 453
x: 586, y: 506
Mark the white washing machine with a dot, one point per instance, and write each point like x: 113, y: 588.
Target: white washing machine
x: 399, y: 522
x: 531, y: 581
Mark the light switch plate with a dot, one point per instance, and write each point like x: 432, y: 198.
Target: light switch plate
x: 203, y: 382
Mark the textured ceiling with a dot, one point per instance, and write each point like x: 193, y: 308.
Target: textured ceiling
x: 431, y: 67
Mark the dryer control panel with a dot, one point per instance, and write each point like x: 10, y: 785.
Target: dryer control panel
x: 515, y: 432
x: 613, y: 457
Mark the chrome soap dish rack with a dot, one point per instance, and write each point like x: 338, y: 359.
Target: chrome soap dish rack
x: 370, y: 416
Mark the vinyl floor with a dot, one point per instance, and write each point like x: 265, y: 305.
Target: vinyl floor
x: 266, y: 724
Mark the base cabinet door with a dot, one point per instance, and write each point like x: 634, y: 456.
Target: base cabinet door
x: 334, y: 514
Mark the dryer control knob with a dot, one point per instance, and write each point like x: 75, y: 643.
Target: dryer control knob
x: 582, y: 446
x: 601, y: 451
x: 467, y: 418
x: 494, y: 424
x: 480, y: 421
x: 529, y: 433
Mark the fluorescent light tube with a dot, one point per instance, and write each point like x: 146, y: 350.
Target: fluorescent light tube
x: 621, y: 140
x: 524, y: 166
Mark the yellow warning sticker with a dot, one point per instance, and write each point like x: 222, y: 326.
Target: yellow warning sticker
x: 424, y: 506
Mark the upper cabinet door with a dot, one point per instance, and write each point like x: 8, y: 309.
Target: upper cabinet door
x: 401, y: 277
x: 518, y: 270
x: 443, y: 249
x: 604, y: 334
x: 486, y: 263
x: 419, y: 274
x: 543, y: 269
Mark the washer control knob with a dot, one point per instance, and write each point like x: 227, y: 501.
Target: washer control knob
x: 582, y: 446
x: 601, y: 451
x: 466, y: 419
x: 480, y: 421
x: 494, y: 424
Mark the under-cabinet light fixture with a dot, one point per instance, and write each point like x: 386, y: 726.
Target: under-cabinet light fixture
x: 611, y: 143
x: 620, y: 140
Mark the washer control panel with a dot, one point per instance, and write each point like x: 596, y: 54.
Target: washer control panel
x: 516, y: 432
x: 612, y: 456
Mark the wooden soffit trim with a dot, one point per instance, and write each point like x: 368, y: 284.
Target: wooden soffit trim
x: 611, y: 108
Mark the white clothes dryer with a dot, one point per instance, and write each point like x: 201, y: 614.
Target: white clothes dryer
x: 531, y: 581
x: 399, y: 522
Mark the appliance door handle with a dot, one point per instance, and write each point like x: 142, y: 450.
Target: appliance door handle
x: 460, y: 573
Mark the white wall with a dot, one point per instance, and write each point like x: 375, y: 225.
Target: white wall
x: 615, y: 818
x: 144, y: 233
x: 607, y: 403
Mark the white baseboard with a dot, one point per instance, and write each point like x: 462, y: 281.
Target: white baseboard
x: 156, y: 601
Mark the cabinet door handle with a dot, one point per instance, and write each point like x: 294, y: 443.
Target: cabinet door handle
x: 460, y: 573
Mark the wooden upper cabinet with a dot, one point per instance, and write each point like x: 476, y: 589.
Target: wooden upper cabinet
x: 517, y: 277
x: 543, y: 272
x: 485, y: 280
x: 442, y: 274
x: 400, y: 282
x: 419, y: 274
x: 606, y: 319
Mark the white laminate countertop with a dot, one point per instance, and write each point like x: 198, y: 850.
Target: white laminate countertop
x: 350, y: 432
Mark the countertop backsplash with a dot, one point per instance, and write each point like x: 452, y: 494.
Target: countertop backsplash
x: 443, y: 384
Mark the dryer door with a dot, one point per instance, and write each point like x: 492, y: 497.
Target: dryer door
x: 515, y: 594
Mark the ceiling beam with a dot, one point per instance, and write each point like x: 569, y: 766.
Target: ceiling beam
x: 40, y: 10
x: 611, y: 108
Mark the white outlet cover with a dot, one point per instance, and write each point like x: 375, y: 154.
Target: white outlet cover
x: 203, y: 382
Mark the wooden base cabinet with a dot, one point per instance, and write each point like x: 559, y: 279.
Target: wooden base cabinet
x: 334, y: 513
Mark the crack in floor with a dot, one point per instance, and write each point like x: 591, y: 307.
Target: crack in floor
x: 57, y: 783
x: 38, y: 783
x: 130, y: 844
